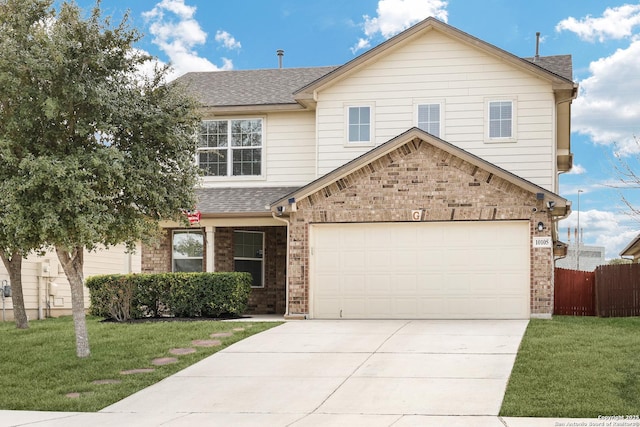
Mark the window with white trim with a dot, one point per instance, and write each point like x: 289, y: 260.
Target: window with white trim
x: 248, y: 254
x: 188, y: 248
x: 428, y: 118
x: 359, y: 124
x: 230, y: 147
x: 500, y: 119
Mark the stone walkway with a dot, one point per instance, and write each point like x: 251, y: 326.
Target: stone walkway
x: 161, y: 361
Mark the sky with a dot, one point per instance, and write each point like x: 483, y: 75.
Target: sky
x: 603, y: 38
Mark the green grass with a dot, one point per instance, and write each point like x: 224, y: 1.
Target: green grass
x: 38, y: 366
x: 578, y: 367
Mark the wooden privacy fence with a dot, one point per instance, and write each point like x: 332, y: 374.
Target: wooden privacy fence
x: 618, y: 290
x: 574, y: 293
x: 610, y: 291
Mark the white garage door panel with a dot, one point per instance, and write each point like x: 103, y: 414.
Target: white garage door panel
x: 420, y: 270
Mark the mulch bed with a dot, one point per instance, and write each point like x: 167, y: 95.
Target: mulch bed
x: 176, y: 319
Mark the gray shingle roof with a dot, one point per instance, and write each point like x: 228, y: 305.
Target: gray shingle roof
x: 276, y: 86
x: 238, y: 200
x: 250, y: 87
x: 557, y: 64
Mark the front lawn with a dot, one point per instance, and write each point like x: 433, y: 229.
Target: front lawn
x: 39, y: 367
x: 578, y: 367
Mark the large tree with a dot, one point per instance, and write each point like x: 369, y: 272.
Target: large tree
x: 14, y: 243
x: 102, y: 152
x: 17, y: 33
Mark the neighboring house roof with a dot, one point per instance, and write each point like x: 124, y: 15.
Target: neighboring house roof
x: 562, y: 205
x: 250, y: 87
x: 238, y: 201
x: 632, y: 249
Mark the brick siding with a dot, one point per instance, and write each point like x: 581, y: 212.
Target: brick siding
x: 418, y: 175
x: 271, y: 298
x: 156, y: 258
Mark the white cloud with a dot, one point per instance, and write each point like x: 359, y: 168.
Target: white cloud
x: 615, y: 23
x: 177, y: 33
x: 577, y: 170
x: 601, y: 228
x: 394, y: 16
x: 362, y: 44
x: 227, y: 40
x: 608, y: 107
x: 176, y: 7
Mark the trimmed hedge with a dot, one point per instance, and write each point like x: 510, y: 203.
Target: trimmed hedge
x: 135, y: 296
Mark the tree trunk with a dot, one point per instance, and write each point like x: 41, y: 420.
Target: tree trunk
x: 72, y: 263
x: 13, y: 264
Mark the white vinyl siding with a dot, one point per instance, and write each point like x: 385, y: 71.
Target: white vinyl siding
x: 114, y: 260
x: 436, y: 67
x: 289, y: 153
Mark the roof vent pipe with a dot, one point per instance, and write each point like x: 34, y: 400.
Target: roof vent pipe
x: 280, y: 54
x: 537, y: 45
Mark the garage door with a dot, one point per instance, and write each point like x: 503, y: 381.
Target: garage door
x: 446, y: 270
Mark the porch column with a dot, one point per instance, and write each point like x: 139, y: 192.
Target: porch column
x: 210, y: 232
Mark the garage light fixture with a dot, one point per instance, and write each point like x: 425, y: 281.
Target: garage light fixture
x: 540, y: 226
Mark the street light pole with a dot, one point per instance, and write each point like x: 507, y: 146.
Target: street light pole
x: 578, y: 236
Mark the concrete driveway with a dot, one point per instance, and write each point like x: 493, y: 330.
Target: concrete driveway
x: 317, y: 373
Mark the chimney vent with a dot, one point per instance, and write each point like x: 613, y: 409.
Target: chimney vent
x: 537, y: 46
x: 280, y: 54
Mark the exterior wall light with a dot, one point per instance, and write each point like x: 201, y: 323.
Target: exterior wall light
x: 540, y: 226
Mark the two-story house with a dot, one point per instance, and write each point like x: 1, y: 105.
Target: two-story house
x: 418, y: 180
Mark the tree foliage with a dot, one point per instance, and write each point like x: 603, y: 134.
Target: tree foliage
x: 618, y: 261
x: 95, y: 152
x: 627, y: 168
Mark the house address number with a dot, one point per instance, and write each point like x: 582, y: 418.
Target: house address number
x: 542, y: 242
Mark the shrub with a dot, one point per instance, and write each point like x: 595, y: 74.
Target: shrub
x: 123, y: 297
x: 108, y: 297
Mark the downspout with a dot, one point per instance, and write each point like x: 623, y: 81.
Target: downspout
x: 286, y: 274
x: 554, y: 230
x: 556, y: 219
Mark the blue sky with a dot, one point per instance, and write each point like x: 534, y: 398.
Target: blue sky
x: 602, y: 36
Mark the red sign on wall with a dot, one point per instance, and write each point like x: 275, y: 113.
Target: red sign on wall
x: 193, y: 216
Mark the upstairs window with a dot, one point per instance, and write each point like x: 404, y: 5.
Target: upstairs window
x: 188, y: 247
x: 429, y: 118
x: 359, y: 119
x: 500, y: 119
x: 230, y: 147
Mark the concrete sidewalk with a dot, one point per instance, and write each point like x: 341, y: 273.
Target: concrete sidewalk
x: 335, y: 373
x: 99, y: 419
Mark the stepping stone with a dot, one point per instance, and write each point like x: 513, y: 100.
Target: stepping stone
x: 73, y: 395
x: 181, y: 351
x: 164, y: 361
x: 206, y: 343
x: 100, y: 382
x: 238, y: 329
x: 221, y: 334
x: 137, y: 371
